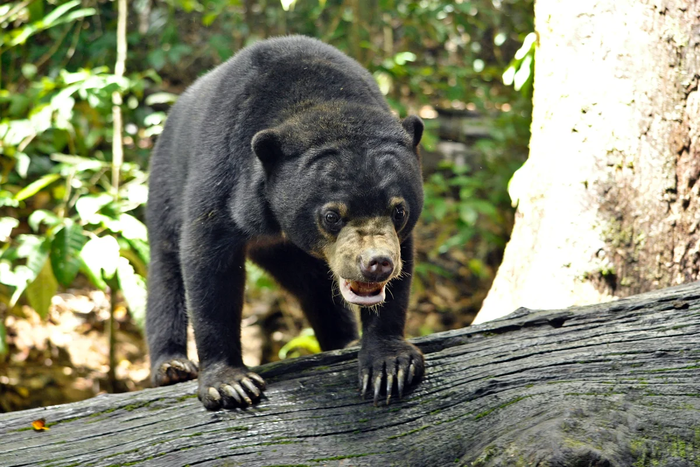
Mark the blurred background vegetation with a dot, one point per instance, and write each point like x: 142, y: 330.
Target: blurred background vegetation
x: 74, y: 252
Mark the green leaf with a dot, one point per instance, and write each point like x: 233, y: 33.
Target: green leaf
x: 29, y: 70
x: 402, y: 57
x: 22, y: 162
x: 523, y: 74
x: 288, y: 4
x: 37, y: 255
x: 306, y: 341
x: 55, y: 17
x: 209, y: 18
x: 88, y: 206
x: 529, y: 43
x: 6, y: 199
x: 440, y: 208
x: 72, y: 159
x: 42, y: 216
x: 508, y: 75
x: 131, y: 228
x: 127, y: 250
x: 82, y: 13
x: 36, y: 10
x: 136, y: 194
x: 156, y: 58
x: 142, y: 248
x: 161, y: 98
x: 28, y: 245
x: 59, y: 11
x: 18, y: 278
x: 16, y: 131
x: 100, y: 256
x: 36, y: 250
x: 65, y: 253
x: 258, y: 278
x: 80, y: 164
x: 36, y: 186
x: 19, y: 105
x: 95, y: 276
x: 6, y: 226
x: 484, y: 207
x: 133, y: 287
x: 384, y: 81
x: 42, y: 289
x: 468, y: 214
x: 7, y: 277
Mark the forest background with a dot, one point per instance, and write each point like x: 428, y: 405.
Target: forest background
x: 74, y: 254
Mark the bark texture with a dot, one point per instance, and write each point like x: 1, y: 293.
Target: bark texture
x: 614, y: 384
x: 608, y: 202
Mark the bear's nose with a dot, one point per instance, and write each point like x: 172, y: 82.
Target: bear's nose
x: 376, y: 268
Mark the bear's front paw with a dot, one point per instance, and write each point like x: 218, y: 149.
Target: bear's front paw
x: 174, y: 370
x: 384, y: 363
x: 229, y: 387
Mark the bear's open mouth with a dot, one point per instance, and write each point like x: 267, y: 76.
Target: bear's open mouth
x: 362, y: 293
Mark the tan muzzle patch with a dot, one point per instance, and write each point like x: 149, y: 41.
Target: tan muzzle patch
x: 364, y: 257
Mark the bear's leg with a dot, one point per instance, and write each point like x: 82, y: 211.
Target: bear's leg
x: 213, y: 265
x: 166, y: 319
x: 309, y: 279
x: 386, y: 360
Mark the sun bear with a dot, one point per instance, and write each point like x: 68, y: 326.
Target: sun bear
x: 289, y: 155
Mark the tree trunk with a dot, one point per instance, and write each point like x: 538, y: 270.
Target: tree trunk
x: 605, y: 385
x: 608, y: 202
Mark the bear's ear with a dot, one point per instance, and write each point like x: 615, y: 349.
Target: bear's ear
x: 414, y: 126
x: 267, y: 146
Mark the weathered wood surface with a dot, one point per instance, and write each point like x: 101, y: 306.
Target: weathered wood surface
x: 616, y: 384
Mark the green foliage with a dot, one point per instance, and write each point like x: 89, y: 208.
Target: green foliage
x: 257, y: 278
x: 41, y: 289
x: 55, y: 147
x: 87, y: 230
x: 65, y: 250
x: 304, y: 344
x: 133, y: 287
x: 433, y: 52
x: 521, y: 70
x: 62, y: 14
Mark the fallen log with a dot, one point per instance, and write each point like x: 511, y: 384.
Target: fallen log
x: 615, y: 384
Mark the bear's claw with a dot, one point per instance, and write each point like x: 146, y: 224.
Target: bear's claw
x: 400, y: 364
x: 175, y: 370
x: 230, y: 388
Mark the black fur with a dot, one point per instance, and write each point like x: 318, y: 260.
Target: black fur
x: 249, y: 155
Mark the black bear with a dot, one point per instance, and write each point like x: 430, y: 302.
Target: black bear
x: 289, y: 155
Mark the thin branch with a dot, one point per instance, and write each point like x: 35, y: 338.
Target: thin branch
x: 74, y: 43
x: 117, y: 144
x: 54, y: 47
x: 117, y: 159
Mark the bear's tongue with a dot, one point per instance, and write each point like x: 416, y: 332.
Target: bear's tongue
x: 365, y: 289
x: 362, y: 293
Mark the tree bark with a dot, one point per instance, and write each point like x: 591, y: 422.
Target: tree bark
x: 613, y: 384
x: 608, y: 202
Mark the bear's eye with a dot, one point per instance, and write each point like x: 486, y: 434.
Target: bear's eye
x: 399, y: 214
x: 331, y: 219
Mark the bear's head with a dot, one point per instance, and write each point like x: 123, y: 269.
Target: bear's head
x: 344, y: 183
